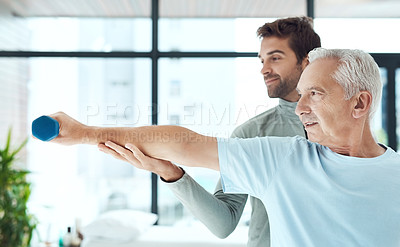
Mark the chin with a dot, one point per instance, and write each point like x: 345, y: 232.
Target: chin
x: 312, y: 138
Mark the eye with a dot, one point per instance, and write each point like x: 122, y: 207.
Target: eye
x: 275, y: 58
x: 313, y: 93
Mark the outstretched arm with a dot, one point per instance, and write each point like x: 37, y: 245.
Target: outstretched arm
x: 171, y: 143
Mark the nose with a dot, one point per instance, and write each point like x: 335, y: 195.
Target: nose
x: 302, y: 107
x: 266, y: 69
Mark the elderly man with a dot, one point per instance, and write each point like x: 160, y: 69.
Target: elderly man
x: 339, y: 188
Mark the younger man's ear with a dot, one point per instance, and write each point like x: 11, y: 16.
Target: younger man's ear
x: 304, y: 63
x: 363, y: 101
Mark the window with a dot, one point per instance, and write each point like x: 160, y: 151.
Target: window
x: 76, y: 34
x: 175, y: 88
x: 80, y: 182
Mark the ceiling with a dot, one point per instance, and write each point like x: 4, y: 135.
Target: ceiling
x: 200, y: 8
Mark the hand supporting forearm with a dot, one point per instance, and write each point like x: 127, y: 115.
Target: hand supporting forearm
x: 131, y: 154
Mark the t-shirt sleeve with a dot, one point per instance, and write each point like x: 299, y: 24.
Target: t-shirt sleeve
x: 249, y: 165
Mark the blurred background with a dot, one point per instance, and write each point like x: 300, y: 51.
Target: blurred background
x: 141, y: 62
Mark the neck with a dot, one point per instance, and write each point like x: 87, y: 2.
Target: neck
x: 292, y: 96
x: 360, y: 144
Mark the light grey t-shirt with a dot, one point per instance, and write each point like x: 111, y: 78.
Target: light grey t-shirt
x: 220, y: 211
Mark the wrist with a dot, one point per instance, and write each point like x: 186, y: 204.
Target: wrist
x: 90, y: 135
x: 172, y: 175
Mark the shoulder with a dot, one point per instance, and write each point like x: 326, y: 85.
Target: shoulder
x: 294, y: 142
x: 391, y: 157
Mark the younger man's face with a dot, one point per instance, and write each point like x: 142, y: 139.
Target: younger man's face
x: 280, y: 68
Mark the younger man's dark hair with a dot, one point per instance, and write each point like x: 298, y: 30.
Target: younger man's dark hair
x: 299, y: 30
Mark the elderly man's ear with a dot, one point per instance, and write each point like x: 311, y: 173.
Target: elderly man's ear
x: 362, y: 105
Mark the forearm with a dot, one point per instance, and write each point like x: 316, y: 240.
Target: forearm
x: 135, y: 135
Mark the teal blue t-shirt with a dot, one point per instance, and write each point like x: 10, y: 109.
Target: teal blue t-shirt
x: 315, y: 197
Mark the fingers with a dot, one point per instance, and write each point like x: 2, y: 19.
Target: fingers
x: 103, y: 148
x: 117, y: 148
x: 136, y: 151
x: 137, y: 158
x: 119, y: 151
x: 58, y: 115
x: 165, y: 169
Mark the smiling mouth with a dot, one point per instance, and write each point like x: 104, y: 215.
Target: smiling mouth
x: 310, y: 124
x: 270, y: 81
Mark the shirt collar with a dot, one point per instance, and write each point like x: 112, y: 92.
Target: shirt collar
x: 287, y: 108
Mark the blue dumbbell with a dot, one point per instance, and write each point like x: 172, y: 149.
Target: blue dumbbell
x: 45, y: 128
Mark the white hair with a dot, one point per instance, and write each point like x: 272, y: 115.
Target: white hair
x: 357, y: 71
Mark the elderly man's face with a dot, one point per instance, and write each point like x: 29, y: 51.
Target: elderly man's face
x: 322, y: 107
